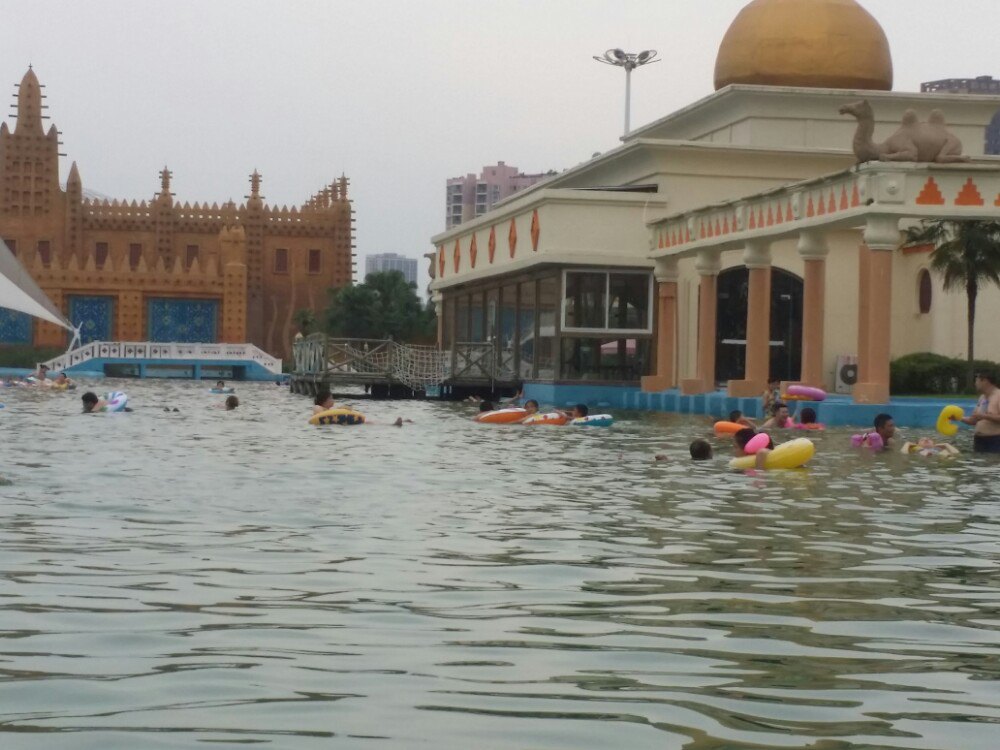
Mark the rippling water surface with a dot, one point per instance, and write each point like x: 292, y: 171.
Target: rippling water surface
x: 174, y: 579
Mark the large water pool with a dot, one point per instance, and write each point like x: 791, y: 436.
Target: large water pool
x: 179, y: 580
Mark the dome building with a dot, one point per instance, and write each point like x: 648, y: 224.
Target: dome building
x: 719, y: 244
x: 833, y: 44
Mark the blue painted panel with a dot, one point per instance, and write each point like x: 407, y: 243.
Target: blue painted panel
x: 183, y: 320
x: 15, y: 327
x: 94, y: 315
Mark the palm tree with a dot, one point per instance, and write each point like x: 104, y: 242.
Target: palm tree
x: 966, y: 255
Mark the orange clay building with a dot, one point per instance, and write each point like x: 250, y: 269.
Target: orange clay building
x: 160, y: 270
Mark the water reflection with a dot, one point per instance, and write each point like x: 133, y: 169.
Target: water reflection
x: 169, y: 579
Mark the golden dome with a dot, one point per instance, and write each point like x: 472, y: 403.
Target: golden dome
x: 812, y: 43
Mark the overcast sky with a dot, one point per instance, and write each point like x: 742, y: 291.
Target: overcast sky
x: 399, y: 95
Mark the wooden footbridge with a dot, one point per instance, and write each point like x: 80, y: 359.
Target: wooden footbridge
x: 385, y: 367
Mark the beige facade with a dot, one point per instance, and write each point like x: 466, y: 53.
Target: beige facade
x: 740, y: 141
x: 772, y: 254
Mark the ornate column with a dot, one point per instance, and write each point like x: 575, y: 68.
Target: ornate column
x: 708, y: 268
x: 438, y: 300
x: 813, y: 250
x: 864, y: 257
x: 881, y: 238
x: 666, y: 275
x: 757, y: 258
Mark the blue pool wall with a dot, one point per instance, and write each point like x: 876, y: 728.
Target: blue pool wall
x: 836, y: 411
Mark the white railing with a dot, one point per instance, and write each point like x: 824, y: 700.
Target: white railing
x: 157, y: 351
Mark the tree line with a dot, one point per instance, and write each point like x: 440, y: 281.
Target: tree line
x: 384, y: 306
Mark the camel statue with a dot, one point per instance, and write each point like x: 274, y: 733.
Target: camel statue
x: 914, y: 141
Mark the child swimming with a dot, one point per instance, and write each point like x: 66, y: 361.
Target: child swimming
x: 91, y: 403
x: 741, y: 438
x: 926, y: 446
x: 577, y: 412
x: 736, y: 416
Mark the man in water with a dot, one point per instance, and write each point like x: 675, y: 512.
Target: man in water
x: 42, y: 373
x: 322, y: 402
x: 780, y: 418
x: 986, y: 417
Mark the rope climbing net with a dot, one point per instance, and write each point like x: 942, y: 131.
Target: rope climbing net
x: 419, y: 366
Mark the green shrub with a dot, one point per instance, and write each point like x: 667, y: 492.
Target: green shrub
x: 932, y: 374
x: 21, y: 355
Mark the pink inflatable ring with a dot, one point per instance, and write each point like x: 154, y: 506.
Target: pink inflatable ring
x: 806, y: 393
x: 757, y: 443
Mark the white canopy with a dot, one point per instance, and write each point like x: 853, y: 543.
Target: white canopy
x: 18, y: 291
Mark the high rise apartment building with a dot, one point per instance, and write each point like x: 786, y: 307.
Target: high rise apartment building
x: 471, y: 196
x: 392, y: 262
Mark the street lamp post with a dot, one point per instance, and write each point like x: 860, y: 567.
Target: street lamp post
x: 630, y: 61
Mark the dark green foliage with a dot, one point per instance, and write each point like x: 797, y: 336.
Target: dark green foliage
x: 384, y: 306
x: 966, y: 256
x: 927, y: 374
x: 26, y: 356
x: 305, y: 320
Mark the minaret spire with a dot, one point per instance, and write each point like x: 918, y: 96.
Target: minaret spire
x: 29, y: 104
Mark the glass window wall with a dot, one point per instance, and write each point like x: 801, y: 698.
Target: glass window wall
x: 607, y: 301
x: 525, y: 319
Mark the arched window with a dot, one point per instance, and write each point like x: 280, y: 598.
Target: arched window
x: 925, y: 291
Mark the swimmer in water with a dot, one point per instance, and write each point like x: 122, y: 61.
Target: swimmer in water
x: 577, y: 412
x: 701, y: 450
x: 926, y: 446
x: 231, y: 403
x: 531, y: 407
x: 741, y: 438
x: 323, y: 402
x: 780, y: 418
x: 736, y: 416
x: 220, y: 383
x: 93, y: 404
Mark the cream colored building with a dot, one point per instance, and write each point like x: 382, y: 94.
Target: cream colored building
x: 561, y: 278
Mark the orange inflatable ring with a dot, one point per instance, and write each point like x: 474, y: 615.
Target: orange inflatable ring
x: 552, y: 417
x: 502, y: 416
x: 728, y: 428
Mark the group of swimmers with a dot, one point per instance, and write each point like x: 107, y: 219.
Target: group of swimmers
x: 93, y: 404
x: 40, y: 379
x: 531, y: 408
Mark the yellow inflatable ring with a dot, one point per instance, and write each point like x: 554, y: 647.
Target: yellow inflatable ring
x: 337, y: 416
x: 790, y: 455
x: 947, y: 423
